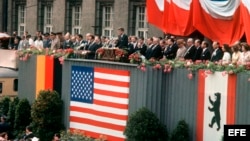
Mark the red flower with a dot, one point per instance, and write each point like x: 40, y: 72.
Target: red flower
x: 190, y: 76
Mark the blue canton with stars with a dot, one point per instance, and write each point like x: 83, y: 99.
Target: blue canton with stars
x: 82, y: 84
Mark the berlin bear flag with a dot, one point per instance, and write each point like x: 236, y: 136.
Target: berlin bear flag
x: 216, y: 104
x: 99, y: 101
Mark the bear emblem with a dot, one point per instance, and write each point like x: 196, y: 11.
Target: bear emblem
x: 216, y: 110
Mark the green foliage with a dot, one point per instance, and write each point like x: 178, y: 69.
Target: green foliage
x: 22, y: 116
x: 74, y: 136
x: 4, y: 105
x: 11, y: 114
x: 46, y: 113
x: 143, y: 125
x: 181, y: 132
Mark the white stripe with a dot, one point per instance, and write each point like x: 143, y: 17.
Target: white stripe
x: 98, y: 118
x: 184, y: 4
x: 214, y: 83
x: 220, y: 9
x: 246, y: 3
x: 160, y: 4
x: 105, y: 131
x: 111, y: 77
x: 110, y: 99
x: 111, y: 88
x: 95, y: 107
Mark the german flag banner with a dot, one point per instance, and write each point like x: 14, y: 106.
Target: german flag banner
x: 48, y: 70
x: 216, y: 104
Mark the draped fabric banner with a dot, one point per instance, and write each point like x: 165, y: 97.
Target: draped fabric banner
x: 155, y: 10
x: 216, y: 100
x: 224, y: 21
x: 245, y: 13
x: 218, y: 20
x: 180, y: 18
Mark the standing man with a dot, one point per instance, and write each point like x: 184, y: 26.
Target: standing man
x: 55, y: 42
x: 197, y: 44
x: 122, y: 39
x: 190, y: 52
x: 217, y: 53
x: 205, y: 55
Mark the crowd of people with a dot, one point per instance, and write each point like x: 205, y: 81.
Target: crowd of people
x: 153, y: 47
x: 27, y: 136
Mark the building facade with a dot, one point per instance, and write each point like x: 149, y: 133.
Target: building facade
x: 101, y: 17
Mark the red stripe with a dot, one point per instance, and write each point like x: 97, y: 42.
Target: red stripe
x: 111, y: 104
x: 110, y: 93
x: 49, y: 70
x: 96, y: 123
x: 97, y: 135
x: 200, y: 105
x: 98, y: 113
x: 111, y: 82
x: 112, y: 71
x: 231, y: 96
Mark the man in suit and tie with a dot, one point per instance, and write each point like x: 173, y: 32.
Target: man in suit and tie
x: 171, y: 50
x: 92, y: 47
x: 142, y: 46
x: 122, y: 39
x: 190, y: 52
x: 55, y: 42
x: 217, y: 53
x: 156, y: 49
x: 149, y: 48
x: 197, y: 44
x: 205, y: 54
x: 133, y: 45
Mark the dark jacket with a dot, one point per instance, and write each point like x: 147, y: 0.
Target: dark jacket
x: 190, y: 53
x: 206, y: 55
x: 217, y: 55
x: 171, y: 51
x: 122, y: 41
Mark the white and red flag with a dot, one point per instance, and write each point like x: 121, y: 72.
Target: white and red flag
x: 216, y: 104
x: 245, y: 13
x: 219, y: 20
x: 155, y: 11
x: 180, y: 17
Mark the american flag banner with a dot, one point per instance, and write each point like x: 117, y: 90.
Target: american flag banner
x: 99, y: 101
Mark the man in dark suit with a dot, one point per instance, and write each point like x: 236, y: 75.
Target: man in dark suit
x: 197, y: 44
x: 205, y: 54
x: 156, y: 49
x: 28, y: 133
x: 92, y: 47
x: 133, y: 45
x: 142, y: 46
x: 171, y: 50
x: 149, y: 48
x: 122, y: 39
x: 190, y: 52
x: 217, y: 53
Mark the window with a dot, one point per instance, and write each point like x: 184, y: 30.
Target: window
x: 48, y: 19
x: 76, y: 19
x: 21, y: 19
x: 141, y: 22
x: 107, y: 21
x: 15, y: 85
